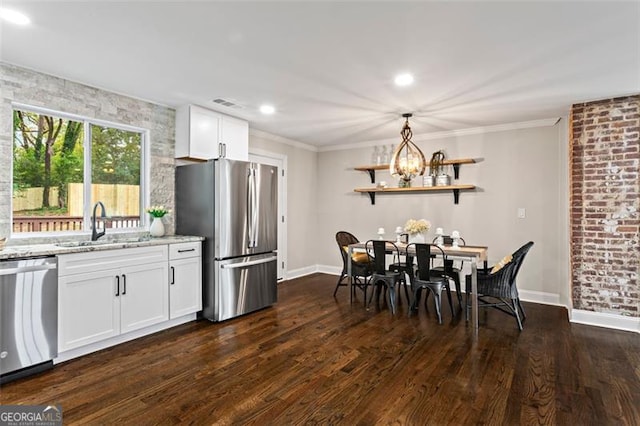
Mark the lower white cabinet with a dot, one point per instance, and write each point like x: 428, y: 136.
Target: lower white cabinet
x: 126, y: 290
x: 185, y: 279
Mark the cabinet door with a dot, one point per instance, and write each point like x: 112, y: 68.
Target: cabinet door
x: 88, y: 309
x: 144, y: 296
x: 204, y: 133
x: 185, y: 287
x: 235, y: 137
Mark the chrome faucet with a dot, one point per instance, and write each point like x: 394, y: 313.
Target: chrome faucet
x: 94, y: 234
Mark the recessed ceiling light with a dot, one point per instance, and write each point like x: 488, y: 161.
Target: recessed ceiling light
x: 14, y: 16
x: 403, y: 79
x: 267, y: 109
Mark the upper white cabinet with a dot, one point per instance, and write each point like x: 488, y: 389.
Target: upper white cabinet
x: 205, y: 134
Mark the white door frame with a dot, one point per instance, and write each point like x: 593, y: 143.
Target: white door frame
x: 280, y: 161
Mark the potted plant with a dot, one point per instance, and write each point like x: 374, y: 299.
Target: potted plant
x: 157, y: 227
x: 416, y: 229
x: 436, y: 170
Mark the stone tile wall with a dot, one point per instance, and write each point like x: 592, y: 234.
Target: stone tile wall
x: 28, y: 87
x: 605, y: 199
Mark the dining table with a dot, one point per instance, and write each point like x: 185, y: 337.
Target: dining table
x: 470, y: 253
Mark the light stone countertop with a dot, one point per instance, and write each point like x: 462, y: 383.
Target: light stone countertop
x: 51, y: 249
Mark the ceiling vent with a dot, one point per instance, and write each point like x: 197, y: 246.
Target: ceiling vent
x: 227, y: 103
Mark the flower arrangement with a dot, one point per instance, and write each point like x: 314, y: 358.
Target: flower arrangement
x: 416, y: 226
x: 158, y: 211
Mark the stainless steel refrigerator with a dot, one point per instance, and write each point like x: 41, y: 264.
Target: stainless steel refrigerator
x: 234, y: 205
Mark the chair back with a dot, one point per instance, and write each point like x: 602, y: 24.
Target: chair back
x: 344, y: 238
x: 518, y: 257
x: 447, y: 240
x: 425, y: 254
x: 377, y: 252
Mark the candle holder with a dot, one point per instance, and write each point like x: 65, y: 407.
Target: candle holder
x: 455, y: 236
x: 439, y: 238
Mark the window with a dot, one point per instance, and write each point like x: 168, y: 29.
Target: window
x: 61, y: 161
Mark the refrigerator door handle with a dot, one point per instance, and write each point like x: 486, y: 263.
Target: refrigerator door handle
x: 254, y: 206
x: 246, y: 264
x: 250, y: 189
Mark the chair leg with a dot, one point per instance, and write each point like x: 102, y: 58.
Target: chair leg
x: 456, y: 280
x: 467, y: 306
x: 392, y: 299
x: 517, y: 314
x: 426, y: 298
x: 450, y: 301
x: 524, y: 315
x: 338, y: 284
x: 374, y: 290
x: 416, y: 299
x: 406, y: 290
x: 437, y: 296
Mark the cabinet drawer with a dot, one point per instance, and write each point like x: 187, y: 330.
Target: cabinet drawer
x: 82, y: 263
x: 184, y: 250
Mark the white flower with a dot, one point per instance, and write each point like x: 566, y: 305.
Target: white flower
x: 415, y: 226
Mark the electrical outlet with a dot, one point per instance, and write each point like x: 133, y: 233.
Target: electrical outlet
x: 522, y: 213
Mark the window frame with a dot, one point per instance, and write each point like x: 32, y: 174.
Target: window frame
x: 87, y: 122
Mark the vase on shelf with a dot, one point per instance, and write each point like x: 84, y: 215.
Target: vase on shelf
x: 157, y: 227
x: 418, y: 238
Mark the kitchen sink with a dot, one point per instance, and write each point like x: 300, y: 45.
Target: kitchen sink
x: 102, y: 242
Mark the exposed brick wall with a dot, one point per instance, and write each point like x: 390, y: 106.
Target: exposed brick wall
x: 605, y: 191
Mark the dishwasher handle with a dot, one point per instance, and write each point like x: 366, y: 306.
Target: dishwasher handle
x: 22, y: 269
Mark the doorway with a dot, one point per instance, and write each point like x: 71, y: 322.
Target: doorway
x: 279, y: 161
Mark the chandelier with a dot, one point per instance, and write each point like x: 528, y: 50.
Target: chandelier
x: 407, y: 161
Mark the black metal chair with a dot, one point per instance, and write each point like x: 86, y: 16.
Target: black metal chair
x: 428, y: 278
x: 498, y: 289
x: 361, y: 268
x: 451, y: 269
x: 383, y: 277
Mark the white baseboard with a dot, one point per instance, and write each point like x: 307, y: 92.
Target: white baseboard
x: 602, y: 319
x: 94, y: 347
x: 331, y: 270
x: 541, y: 297
x: 301, y: 272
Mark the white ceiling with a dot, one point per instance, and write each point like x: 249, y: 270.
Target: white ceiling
x: 328, y: 67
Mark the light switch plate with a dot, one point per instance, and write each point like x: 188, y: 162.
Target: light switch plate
x: 522, y: 213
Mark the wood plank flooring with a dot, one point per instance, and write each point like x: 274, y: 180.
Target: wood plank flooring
x: 318, y: 360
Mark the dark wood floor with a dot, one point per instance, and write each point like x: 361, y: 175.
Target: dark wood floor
x: 315, y: 359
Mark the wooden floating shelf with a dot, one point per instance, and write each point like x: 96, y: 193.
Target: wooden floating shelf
x: 454, y: 188
x: 455, y: 163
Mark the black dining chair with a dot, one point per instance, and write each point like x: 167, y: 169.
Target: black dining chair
x: 428, y: 278
x: 497, y: 288
x: 361, y: 268
x: 382, y: 277
x: 452, y: 269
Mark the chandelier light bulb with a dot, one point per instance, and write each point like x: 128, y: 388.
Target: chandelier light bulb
x: 407, y: 161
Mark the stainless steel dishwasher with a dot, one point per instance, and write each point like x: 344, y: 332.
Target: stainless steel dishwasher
x: 28, y: 316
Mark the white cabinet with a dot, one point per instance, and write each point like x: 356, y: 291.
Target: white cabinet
x: 205, y: 134
x: 185, y: 279
x: 105, y: 294
x: 234, y: 138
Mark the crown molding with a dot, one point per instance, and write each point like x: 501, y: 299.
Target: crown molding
x: 275, y: 138
x: 547, y: 122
